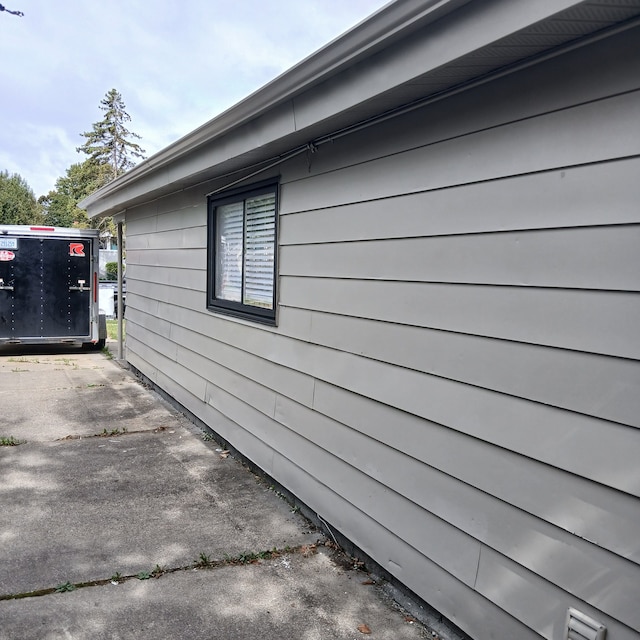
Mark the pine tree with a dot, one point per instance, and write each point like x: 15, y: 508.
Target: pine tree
x: 110, y: 141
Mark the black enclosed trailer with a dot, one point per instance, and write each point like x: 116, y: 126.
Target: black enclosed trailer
x: 49, y: 286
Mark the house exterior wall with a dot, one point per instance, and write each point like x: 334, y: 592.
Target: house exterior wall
x: 453, y: 381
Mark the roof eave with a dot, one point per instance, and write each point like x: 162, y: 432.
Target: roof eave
x: 346, y: 80
x: 383, y: 27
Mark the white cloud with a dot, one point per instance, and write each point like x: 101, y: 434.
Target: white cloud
x: 37, y: 152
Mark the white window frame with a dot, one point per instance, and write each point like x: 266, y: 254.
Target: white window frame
x: 231, y: 289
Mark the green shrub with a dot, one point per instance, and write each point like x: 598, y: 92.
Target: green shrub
x: 112, y: 270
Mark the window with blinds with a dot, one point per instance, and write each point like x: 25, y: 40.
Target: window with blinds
x: 242, y: 253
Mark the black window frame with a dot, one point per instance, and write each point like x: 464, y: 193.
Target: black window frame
x: 230, y: 307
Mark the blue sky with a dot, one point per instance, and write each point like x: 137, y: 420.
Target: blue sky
x: 177, y: 65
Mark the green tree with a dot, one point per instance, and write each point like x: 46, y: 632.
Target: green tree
x: 112, y: 270
x: 109, y: 141
x: 17, y: 201
x: 80, y: 180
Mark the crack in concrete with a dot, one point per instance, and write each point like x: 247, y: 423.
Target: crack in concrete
x: 203, y: 563
x: 115, y: 433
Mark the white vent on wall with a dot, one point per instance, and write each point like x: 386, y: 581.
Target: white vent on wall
x: 582, y: 627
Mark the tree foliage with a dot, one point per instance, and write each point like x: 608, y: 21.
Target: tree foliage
x: 80, y: 180
x: 109, y: 141
x: 17, y: 201
x: 112, y: 270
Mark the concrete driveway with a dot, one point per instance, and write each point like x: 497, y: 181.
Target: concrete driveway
x: 118, y: 519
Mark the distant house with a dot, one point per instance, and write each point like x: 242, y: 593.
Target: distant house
x: 402, y: 278
x: 108, y: 251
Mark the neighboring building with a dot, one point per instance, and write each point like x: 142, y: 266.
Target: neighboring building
x: 402, y: 278
x: 108, y: 251
x: 106, y: 256
x: 108, y: 241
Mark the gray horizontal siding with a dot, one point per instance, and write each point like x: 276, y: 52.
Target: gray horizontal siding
x: 453, y: 379
x: 591, y: 511
x: 567, y: 197
x: 515, y: 424
x: 145, y: 294
x: 565, y: 318
x: 559, y: 258
x: 182, y: 278
x: 190, y: 238
x: 581, y: 135
x: 176, y: 212
x: 531, y: 425
x: 532, y: 429
x: 179, y: 258
x: 600, y: 386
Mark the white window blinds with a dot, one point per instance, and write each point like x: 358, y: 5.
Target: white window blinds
x: 259, y: 249
x: 245, y: 246
x: 230, y: 223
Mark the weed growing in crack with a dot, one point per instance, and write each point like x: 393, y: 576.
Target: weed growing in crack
x: 203, y: 561
x: 247, y: 557
x: 114, y: 432
x: 251, y: 557
x: 10, y: 441
x: 158, y: 571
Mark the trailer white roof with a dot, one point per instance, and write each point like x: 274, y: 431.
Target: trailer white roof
x: 34, y: 230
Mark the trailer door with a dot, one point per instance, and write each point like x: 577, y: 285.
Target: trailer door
x: 46, y: 288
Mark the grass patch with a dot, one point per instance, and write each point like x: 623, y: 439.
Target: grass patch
x: 112, y: 329
x: 10, y: 441
x: 67, y: 362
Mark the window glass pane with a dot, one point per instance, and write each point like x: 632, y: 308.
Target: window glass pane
x: 229, y: 227
x: 260, y: 237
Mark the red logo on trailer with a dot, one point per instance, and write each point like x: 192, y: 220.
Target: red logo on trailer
x: 6, y: 256
x: 76, y: 249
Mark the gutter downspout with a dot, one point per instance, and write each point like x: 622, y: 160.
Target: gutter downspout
x: 120, y: 305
